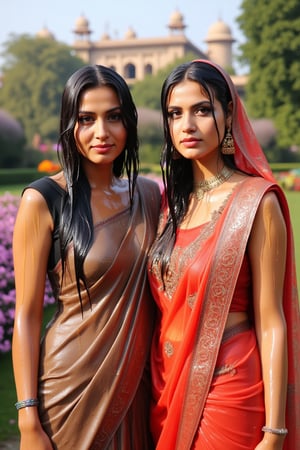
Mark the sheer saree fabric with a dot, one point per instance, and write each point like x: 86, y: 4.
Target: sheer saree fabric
x: 187, y: 396
x: 94, y: 385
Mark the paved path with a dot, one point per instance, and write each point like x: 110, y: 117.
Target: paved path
x: 12, y: 444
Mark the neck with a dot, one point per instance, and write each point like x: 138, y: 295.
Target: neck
x: 208, y: 184
x: 100, y: 177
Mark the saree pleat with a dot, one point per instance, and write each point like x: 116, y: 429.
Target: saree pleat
x: 236, y: 391
x: 94, y: 379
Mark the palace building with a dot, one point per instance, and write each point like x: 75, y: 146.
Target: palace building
x: 134, y: 57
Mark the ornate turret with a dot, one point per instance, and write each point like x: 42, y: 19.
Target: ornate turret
x: 130, y: 34
x: 219, y: 44
x: 176, y: 23
x: 45, y: 33
x: 82, y: 28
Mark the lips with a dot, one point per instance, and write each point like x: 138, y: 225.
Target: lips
x: 102, y: 145
x: 190, y: 142
x: 102, y: 148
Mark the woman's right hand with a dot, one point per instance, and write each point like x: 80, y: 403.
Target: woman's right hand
x: 37, y: 440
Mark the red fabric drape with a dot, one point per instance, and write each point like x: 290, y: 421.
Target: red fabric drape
x: 187, y: 340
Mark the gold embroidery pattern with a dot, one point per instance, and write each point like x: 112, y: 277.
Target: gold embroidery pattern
x: 223, y: 370
x: 191, y: 300
x: 233, y: 240
x: 182, y: 256
x: 168, y: 349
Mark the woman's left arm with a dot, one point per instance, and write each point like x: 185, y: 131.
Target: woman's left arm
x: 267, y: 249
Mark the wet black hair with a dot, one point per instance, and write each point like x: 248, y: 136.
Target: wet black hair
x: 76, y: 225
x: 177, y: 172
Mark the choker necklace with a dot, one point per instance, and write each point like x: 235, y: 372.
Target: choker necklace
x: 207, y: 185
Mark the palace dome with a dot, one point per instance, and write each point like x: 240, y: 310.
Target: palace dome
x: 219, y: 31
x: 130, y: 34
x: 82, y: 25
x: 45, y: 33
x: 176, y: 21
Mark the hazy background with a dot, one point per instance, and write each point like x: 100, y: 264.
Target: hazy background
x: 147, y: 18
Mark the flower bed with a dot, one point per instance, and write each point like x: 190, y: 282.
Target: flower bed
x: 8, y: 210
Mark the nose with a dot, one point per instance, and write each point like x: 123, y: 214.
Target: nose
x: 100, y: 129
x: 188, y: 123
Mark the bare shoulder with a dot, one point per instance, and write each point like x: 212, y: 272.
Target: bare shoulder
x: 34, y: 209
x: 32, y: 198
x: 270, y: 205
x: 269, y: 215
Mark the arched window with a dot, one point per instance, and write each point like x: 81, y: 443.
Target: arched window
x: 148, y: 69
x: 129, y: 71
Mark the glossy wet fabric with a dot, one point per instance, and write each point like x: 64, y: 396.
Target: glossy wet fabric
x: 234, y: 409
x: 193, y: 313
x: 94, y: 379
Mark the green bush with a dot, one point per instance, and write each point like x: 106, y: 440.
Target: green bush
x: 18, y: 176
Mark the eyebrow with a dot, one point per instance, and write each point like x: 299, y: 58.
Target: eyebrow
x: 116, y: 108
x: 203, y: 102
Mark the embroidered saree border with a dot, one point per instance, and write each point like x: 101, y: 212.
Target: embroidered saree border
x: 220, y: 287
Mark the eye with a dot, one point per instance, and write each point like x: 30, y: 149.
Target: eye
x: 203, y: 110
x: 85, y: 119
x: 174, y: 113
x: 115, y: 116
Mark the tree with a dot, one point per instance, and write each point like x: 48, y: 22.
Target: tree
x: 146, y: 93
x: 272, y: 50
x: 34, y: 74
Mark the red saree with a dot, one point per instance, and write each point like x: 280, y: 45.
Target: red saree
x: 187, y: 349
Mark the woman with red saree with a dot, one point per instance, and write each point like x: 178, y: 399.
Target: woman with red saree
x: 225, y: 355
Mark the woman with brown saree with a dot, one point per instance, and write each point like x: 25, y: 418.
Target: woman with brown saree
x: 225, y: 355
x: 87, y: 386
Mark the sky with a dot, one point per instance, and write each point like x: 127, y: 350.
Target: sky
x: 147, y: 18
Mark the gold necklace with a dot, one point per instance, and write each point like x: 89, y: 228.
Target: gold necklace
x: 207, y: 185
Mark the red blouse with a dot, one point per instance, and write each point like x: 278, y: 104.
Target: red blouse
x: 243, y: 292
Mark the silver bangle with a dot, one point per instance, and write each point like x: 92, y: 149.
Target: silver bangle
x: 278, y: 431
x: 25, y: 403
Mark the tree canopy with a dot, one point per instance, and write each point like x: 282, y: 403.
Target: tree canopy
x: 272, y: 50
x: 146, y: 93
x: 35, y: 71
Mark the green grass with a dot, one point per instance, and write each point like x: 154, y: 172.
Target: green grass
x: 14, y: 190
x: 294, y: 204
x: 8, y: 414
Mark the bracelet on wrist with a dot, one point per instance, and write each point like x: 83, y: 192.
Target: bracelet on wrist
x: 25, y: 403
x: 278, y: 431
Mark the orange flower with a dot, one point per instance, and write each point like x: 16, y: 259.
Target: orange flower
x: 48, y: 166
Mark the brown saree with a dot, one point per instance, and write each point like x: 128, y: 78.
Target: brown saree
x: 94, y: 385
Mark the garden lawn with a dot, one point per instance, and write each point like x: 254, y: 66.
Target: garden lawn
x: 294, y: 204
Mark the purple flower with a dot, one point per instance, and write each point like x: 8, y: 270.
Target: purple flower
x: 8, y: 210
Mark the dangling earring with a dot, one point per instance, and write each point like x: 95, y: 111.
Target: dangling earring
x: 228, y: 144
x: 175, y: 154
